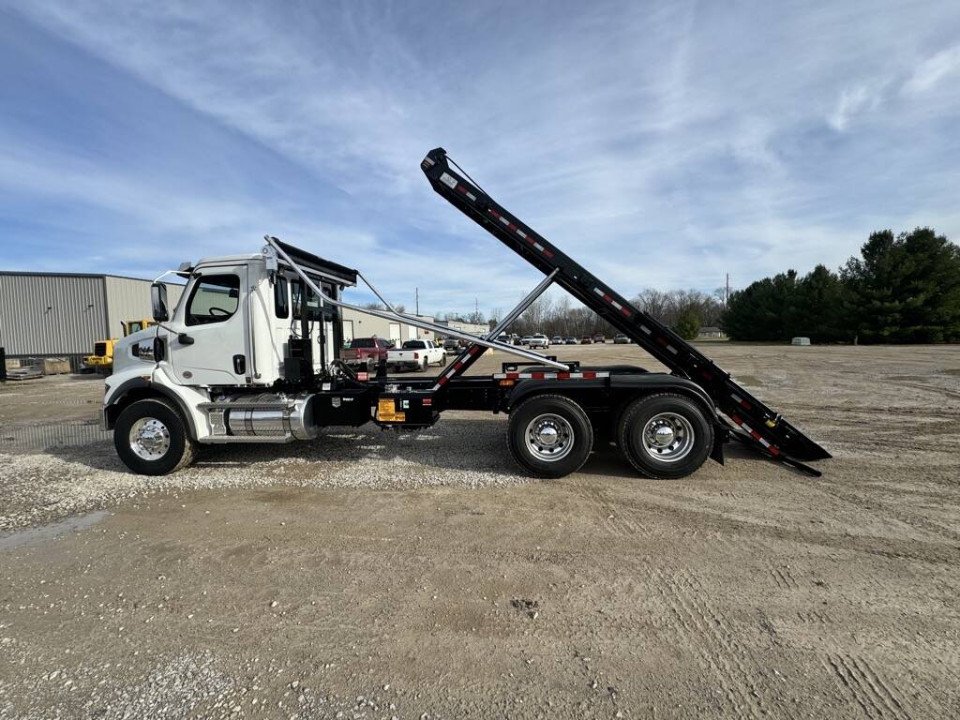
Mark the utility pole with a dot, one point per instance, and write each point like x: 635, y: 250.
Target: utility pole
x: 726, y: 294
x: 417, y: 291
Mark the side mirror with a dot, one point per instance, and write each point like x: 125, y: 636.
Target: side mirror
x: 158, y: 302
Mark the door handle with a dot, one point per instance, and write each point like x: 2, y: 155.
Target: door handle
x: 239, y: 364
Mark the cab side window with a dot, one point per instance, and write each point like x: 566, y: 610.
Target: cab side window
x: 215, y: 298
x: 281, y: 297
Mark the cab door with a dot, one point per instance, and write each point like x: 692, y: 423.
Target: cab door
x: 210, y: 345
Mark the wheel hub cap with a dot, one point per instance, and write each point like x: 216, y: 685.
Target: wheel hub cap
x: 549, y: 437
x: 668, y: 437
x: 149, y: 438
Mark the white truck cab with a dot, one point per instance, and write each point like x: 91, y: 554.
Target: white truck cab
x: 222, y: 362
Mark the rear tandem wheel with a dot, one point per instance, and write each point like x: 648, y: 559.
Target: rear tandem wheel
x: 549, y: 436
x: 664, y: 436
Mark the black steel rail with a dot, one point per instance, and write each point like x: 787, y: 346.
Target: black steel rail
x: 760, y: 426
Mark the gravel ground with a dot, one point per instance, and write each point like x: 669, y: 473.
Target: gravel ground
x: 40, y: 487
x: 375, y: 575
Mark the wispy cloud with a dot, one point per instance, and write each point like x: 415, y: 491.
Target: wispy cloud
x: 935, y: 69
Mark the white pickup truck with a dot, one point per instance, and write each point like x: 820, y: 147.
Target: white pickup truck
x: 416, y: 355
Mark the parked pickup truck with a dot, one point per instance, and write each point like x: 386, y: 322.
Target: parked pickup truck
x: 365, y: 353
x: 416, y: 355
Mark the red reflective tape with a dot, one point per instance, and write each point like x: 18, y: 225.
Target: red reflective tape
x: 774, y: 450
x: 563, y: 376
x: 736, y: 419
x: 457, y: 365
x: 427, y: 402
x: 547, y: 253
x: 474, y: 349
x: 754, y: 434
x: 745, y: 405
x: 461, y: 188
x: 443, y: 380
x: 363, y: 376
x: 589, y: 375
x: 626, y: 312
x: 511, y: 226
x: 537, y: 375
x: 513, y: 376
x: 607, y: 298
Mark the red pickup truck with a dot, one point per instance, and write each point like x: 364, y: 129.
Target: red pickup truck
x: 365, y: 353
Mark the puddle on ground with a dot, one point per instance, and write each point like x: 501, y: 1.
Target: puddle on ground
x: 34, y: 536
x: 39, y: 437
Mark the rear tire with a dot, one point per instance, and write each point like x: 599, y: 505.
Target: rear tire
x: 151, y: 438
x: 549, y: 436
x: 665, y: 436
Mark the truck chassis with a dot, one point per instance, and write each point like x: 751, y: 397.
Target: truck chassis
x: 665, y: 425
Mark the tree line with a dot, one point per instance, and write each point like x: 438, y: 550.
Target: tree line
x: 684, y: 310
x: 901, y: 289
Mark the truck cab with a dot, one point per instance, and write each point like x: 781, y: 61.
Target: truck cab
x: 245, y: 327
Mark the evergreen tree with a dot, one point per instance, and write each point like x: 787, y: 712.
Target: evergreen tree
x: 905, y: 289
x: 688, y: 324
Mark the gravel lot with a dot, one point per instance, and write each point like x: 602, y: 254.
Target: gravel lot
x: 378, y: 575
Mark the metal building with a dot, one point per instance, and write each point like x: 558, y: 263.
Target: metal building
x: 64, y: 314
x: 357, y: 324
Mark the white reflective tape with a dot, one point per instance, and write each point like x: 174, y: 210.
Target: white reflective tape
x: 672, y: 349
x: 471, y: 196
x: 645, y: 329
x: 452, y: 373
x: 746, y: 427
x: 521, y: 233
x: 538, y: 246
x: 448, y: 180
x: 504, y: 220
x: 598, y: 291
x: 617, y: 305
x: 764, y: 443
x: 736, y: 398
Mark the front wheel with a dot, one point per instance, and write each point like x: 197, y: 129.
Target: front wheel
x: 549, y: 436
x: 152, y: 438
x: 664, y: 436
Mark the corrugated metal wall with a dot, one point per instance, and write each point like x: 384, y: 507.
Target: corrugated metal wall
x: 51, y: 314
x: 129, y: 299
x: 368, y: 326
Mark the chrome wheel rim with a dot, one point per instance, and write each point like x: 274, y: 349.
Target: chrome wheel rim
x: 549, y: 437
x: 149, y: 439
x: 668, y: 437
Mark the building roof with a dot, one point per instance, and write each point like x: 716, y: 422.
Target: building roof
x: 37, y: 273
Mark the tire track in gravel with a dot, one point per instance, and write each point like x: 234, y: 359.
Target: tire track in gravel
x: 717, y: 644
x: 864, y: 685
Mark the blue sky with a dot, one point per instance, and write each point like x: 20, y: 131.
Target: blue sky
x: 661, y: 144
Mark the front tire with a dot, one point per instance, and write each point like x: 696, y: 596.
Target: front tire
x: 665, y: 436
x: 151, y: 438
x: 549, y: 436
